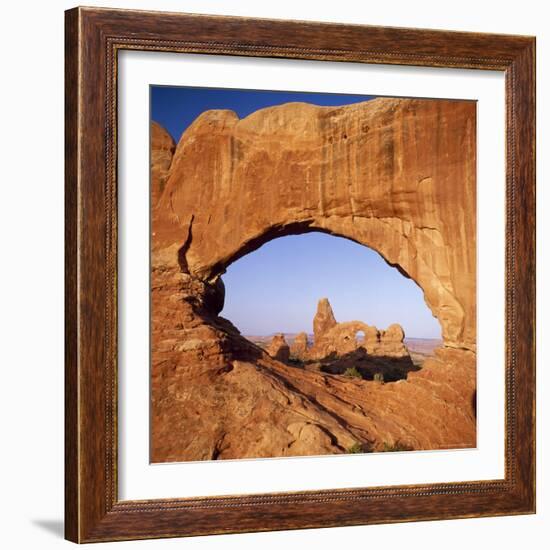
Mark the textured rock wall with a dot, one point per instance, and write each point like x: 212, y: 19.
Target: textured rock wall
x: 397, y: 175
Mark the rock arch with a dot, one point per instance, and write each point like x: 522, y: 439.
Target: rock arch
x: 397, y: 176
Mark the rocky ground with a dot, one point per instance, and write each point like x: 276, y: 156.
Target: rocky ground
x: 216, y: 395
x: 255, y: 406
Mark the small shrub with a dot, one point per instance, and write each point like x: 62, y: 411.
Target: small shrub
x: 355, y: 449
x: 352, y: 372
x: 379, y: 377
x: 396, y: 447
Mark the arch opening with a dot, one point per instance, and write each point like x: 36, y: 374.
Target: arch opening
x: 276, y: 231
x: 365, y: 307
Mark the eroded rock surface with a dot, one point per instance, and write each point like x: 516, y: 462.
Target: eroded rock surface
x: 372, y: 172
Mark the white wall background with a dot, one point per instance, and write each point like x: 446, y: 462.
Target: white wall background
x: 31, y: 278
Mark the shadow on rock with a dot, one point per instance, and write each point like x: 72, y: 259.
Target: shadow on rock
x: 360, y: 364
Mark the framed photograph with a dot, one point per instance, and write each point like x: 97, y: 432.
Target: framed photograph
x: 300, y: 275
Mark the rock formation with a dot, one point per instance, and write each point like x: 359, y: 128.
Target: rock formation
x: 299, y: 347
x: 397, y: 175
x: 278, y: 348
x: 333, y: 338
x: 324, y: 319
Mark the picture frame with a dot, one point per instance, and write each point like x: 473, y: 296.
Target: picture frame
x: 94, y: 38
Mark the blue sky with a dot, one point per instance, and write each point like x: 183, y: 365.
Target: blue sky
x: 276, y: 288
x: 176, y: 108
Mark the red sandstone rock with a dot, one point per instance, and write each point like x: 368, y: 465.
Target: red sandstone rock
x: 324, y: 319
x: 372, y: 172
x: 397, y: 175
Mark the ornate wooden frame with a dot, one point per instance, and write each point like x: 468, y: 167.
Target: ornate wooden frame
x: 93, y: 511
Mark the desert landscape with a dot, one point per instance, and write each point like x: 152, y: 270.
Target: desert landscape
x: 395, y: 175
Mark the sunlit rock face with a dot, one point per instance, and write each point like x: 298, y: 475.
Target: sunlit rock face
x: 396, y: 175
